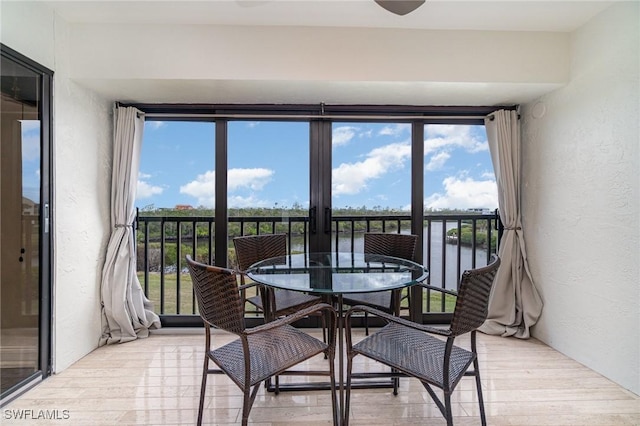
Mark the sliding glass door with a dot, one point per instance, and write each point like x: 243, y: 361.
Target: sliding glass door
x: 370, y: 181
x: 268, y: 180
x: 24, y: 223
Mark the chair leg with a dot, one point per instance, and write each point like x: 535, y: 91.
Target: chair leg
x: 396, y: 312
x: 203, y: 388
x: 347, y: 391
x: 483, y: 417
x: 476, y: 373
x: 396, y: 382
x: 447, y: 405
x: 366, y: 324
x: 246, y: 407
x: 324, y: 329
x: 249, y: 397
x: 334, y: 396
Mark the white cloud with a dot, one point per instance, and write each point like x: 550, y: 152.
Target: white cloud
x: 203, y: 187
x: 366, y: 134
x: 440, y: 136
x: 252, y: 124
x: 464, y: 193
x: 254, y: 179
x: 250, y: 201
x: 342, y: 135
x: 395, y: 130
x: 351, y: 178
x: 437, y: 161
x: 145, y: 189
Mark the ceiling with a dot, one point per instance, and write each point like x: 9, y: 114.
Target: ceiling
x: 506, y: 15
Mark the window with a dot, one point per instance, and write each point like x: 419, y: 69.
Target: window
x: 322, y: 175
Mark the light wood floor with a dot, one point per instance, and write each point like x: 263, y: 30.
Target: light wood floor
x: 155, y: 381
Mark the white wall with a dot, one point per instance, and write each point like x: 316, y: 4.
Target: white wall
x: 28, y: 28
x: 252, y: 64
x: 581, y: 200
x: 309, y: 54
x: 82, y: 156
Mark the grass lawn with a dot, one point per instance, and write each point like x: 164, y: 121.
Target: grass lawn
x: 188, y: 304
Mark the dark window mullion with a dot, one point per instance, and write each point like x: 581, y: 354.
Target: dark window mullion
x: 417, y: 209
x: 220, y: 208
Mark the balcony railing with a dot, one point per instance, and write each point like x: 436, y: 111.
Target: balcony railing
x: 451, y: 244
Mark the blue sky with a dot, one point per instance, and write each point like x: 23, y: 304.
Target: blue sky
x: 31, y: 159
x: 268, y: 165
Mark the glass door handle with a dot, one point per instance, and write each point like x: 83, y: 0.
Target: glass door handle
x: 46, y: 217
x: 327, y: 220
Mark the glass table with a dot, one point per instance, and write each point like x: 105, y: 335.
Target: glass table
x: 334, y: 274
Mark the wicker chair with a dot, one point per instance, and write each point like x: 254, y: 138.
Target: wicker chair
x: 254, y: 248
x: 260, y: 352
x: 410, y: 349
x: 396, y: 245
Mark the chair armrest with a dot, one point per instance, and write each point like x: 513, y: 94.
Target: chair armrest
x: 295, y: 317
x: 246, y: 286
x: 397, y: 320
x: 242, y: 285
x: 440, y: 289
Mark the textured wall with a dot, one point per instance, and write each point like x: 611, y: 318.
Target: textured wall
x: 580, y: 200
x: 83, y: 156
x: 82, y: 172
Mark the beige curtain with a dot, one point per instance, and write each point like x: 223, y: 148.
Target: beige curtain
x: 515, y: 304
x: 126, y: 312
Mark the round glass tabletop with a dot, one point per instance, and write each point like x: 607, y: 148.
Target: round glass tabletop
x: 337, y: 272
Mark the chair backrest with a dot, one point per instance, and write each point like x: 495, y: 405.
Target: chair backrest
x: 217, y: 295
x: 254, y: 248
x: 395, y: 245
x: 473, y: 298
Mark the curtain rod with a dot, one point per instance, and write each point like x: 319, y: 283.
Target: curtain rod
x: 312, y: 116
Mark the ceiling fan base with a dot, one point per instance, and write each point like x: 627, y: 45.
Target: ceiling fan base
x: 400, y: 7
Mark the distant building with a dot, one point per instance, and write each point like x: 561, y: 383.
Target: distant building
x: 29, y: 207
x: 184, y: 207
